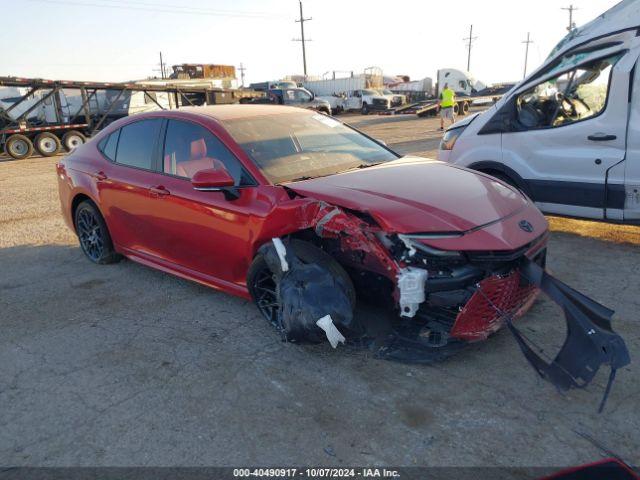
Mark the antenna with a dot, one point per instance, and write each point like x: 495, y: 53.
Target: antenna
x: 302, y: 39
x: 526, y: 53
x: 469, y: 41
x: 570, y: 9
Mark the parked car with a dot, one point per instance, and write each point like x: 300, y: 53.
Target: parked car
x: 295, y: 97
x: 567, y: 135
x: 299, y: 212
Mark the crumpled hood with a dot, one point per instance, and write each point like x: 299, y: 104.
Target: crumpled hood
x: 415, y: 195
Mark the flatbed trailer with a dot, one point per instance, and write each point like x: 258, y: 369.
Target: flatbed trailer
x: 431, y: 107
x: 21, y: 133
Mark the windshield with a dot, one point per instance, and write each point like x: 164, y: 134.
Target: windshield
x: 301, y: 145
x: 370, y: 92
x: 387, y: 92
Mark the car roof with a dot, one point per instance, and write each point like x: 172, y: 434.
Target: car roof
x: 237, y: 111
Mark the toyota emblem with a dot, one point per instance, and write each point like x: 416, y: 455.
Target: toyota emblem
x: 526, y: 226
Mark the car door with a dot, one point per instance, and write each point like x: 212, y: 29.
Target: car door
x: 124, y: 185
x: 571, y: 130
x: 203, y: 234
x: 632, y: 162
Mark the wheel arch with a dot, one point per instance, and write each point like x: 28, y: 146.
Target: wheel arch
x: 490, y: 167
x: 78, y: 198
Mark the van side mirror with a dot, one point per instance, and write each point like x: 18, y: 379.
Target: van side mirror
x: 215, y: 180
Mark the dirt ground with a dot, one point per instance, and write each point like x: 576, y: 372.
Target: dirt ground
x: 123, y: 365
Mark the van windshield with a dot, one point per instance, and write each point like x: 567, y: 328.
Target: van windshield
x: 301, y: 145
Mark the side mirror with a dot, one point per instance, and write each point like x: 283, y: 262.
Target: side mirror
x: 215, y: 180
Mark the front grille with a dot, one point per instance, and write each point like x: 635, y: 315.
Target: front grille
x: 480, y: 317
x: 379, y: 102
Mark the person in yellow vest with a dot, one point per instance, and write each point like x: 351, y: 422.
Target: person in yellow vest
x: 447, y: 101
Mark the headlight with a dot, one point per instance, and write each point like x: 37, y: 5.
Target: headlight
x: 450, y: 137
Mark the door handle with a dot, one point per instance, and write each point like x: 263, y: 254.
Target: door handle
x: 100, y: 176
x: 159, y: 191
x: 601, y: 137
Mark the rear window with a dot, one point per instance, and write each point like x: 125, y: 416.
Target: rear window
x: 137, y: 143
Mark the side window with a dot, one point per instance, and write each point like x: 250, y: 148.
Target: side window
x: 302, y: 96
x: 137, y: 143
x: 571, y: 96
x: 189, y: 148
x: 108, y: 145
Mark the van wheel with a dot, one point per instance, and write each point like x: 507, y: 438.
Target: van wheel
x: 19, y: 147
x: 72, y: 140
x: 93, y: 234
x: 262, y: 282
x: 47, y: 144
x: 365, y: 109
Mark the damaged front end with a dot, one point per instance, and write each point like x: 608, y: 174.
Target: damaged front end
x: 445, y: 299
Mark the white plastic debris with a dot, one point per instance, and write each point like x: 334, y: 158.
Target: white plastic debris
x: 333, y: 334
x: 411, y: 250
x: 411, y: 283
x: 282, y: 253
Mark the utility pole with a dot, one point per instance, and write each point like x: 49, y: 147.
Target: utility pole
x: 242, y: 69
x: 469, y: 41
x: 161, y: 67
x: 570, y: 9
x: 302, y: 39
x: 526, y: 53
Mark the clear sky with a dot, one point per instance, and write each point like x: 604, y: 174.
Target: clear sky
x: 120, y: 39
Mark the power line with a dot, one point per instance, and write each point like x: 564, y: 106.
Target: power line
x: 526, y: 53
x: 469, y: 41
x: 570, y: 9
x: 302, y: 39
x: 162, y: 9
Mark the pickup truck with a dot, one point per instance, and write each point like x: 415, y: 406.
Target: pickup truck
x: 295, y: 97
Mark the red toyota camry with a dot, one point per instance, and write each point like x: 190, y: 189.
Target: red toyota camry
x: 303, y: 214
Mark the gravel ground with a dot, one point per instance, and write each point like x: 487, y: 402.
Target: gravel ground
x: 123, y: 365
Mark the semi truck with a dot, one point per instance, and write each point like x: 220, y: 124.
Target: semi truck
x: 468, y: 90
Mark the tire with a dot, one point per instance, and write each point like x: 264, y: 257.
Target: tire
x: 262, y: 285
x: 73, y: 139
x: 18, y: 147
x: 47, y: 144
x: 456, y: 108
x: 465, y: 108
x: 93, y: 234
x: 365, y: 109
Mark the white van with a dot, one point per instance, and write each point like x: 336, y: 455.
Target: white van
x: 569, y: 134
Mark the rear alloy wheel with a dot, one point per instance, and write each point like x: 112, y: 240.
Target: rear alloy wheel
x: 47, y: 144
x: 93, y: 234
x: 19, y: 147
x: 72, y: 140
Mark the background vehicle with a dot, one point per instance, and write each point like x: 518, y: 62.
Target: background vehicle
x: 295, y: 97
x: 360, y: 92
x: 567, y: 135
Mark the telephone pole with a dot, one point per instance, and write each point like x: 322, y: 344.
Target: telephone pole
x: 242, y: 69
x: 570, y: 9
x: 469, y: 41
x: 302, y: 39
x: 161, y: 67
x: 526, y: 53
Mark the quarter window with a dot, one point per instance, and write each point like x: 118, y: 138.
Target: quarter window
x: 189, y: 148
x: 137, y: 143
x: 109, y: 145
